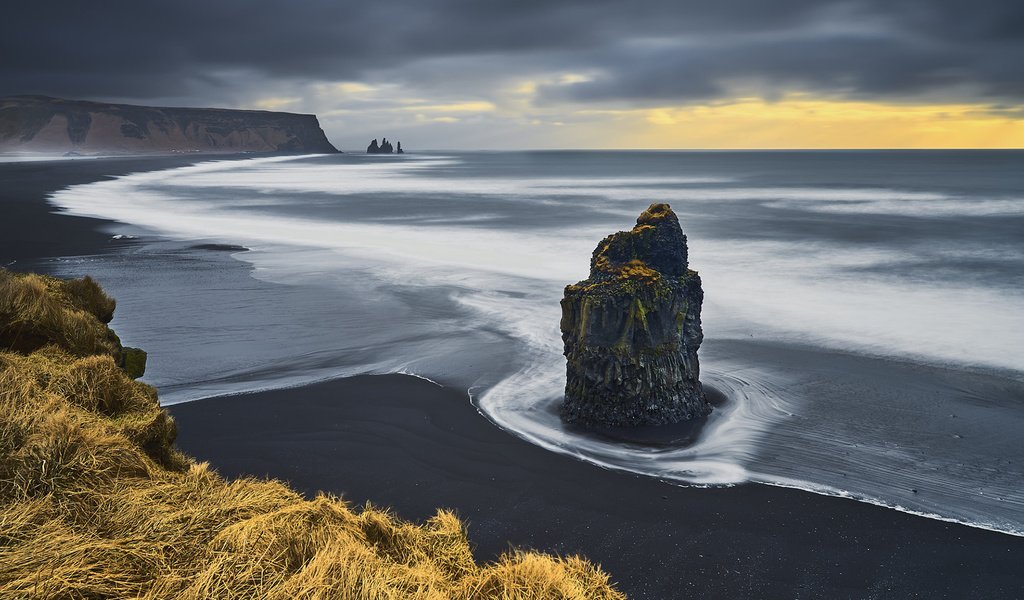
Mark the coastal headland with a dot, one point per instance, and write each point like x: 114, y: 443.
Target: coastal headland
x: 45, y: 125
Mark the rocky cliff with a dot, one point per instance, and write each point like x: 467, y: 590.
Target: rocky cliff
x: 632, y: 330
x: 51, y: 125
x: 384, y: 147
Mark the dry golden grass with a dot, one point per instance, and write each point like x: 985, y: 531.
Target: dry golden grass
x: 36, y: 310
x: 95, y: 502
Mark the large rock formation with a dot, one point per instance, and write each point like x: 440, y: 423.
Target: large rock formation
x: 632, y: 330
x: 39, y: 124
x: 385, y: 147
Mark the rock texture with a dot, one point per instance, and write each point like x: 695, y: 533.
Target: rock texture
x: 385, y: 147
x: 632, y: 330
x: 40, y: 124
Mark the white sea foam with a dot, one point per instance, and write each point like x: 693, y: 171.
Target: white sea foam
x: 526, y: 402
x: 807, y: 293
x: 43, y: 157
x: 510, y: 279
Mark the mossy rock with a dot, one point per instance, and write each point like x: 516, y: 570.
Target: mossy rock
x: 133, y: 361
x: 632, y: 330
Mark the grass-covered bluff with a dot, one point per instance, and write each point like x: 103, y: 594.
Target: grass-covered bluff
x: 96, y: 502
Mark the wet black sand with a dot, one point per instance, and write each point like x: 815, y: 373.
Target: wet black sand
x: 406, y: 443
x: 30, y: 229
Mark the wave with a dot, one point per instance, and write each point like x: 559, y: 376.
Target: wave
x: 811, y: 292
x: 508, y: 278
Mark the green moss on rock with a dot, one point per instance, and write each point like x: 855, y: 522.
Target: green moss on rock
x: 632, y: 329
x: 133, y: 361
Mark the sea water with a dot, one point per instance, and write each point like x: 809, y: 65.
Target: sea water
x: 863, y: 316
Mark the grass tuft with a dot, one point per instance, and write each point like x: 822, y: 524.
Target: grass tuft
x: 96, y: 502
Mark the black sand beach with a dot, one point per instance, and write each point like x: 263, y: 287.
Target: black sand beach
x: 403, y: 442
x: 30, y: 230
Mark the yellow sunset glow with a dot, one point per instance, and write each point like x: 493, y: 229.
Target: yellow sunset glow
x: 275, y: 103
x: 454, y: 107
x: 516, y: 116
x: 802, y: 123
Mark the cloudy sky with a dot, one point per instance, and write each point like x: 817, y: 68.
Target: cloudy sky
x: 551, y: 73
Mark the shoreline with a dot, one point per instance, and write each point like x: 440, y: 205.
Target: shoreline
x: 629, y: 523
x: 33, y: 231
x: 403, y: 442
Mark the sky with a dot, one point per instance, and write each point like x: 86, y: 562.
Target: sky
x: 481, y: 74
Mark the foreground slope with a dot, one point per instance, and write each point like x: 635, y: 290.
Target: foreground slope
x: 97, y: 503
x: 30, y: 124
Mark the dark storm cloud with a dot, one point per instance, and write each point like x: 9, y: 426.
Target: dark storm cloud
x: 863, y: 50
x: 638, y: 51
x: 855, y: 66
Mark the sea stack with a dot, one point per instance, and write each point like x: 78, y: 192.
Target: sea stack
x: 385, y: 147
x: 632, y: 329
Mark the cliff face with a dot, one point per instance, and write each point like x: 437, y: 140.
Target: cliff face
x: 52, y: 125
x: 632, y: 329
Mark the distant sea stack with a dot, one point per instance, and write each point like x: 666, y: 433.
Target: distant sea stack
x: 51, y: 125
x: 632, y: 330
x: 384, y: 147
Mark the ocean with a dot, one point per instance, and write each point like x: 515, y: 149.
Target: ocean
x: 863, y: 316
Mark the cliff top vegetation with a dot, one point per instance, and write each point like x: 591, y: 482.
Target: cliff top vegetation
x: 96, y: 502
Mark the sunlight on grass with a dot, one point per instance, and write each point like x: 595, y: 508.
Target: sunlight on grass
x: 96, y: 502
